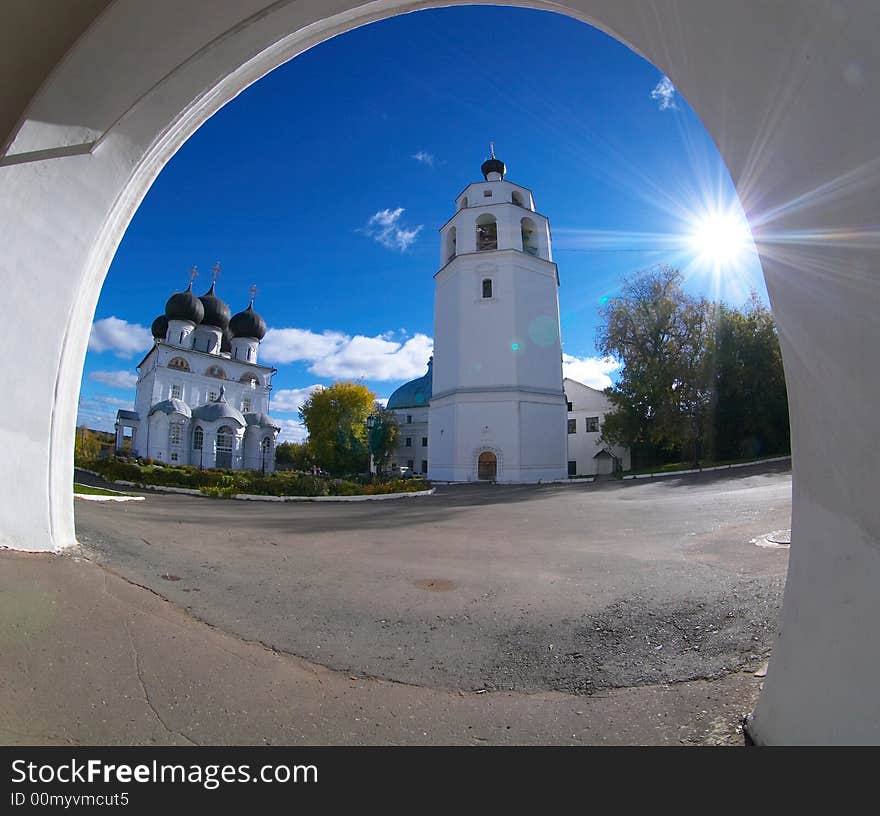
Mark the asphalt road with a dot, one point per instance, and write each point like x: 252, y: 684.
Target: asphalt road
x: 572, y: 588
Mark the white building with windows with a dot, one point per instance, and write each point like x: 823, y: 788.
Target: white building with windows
x: 587, y: 455
x: 492, y: 405
x: 202, y: 397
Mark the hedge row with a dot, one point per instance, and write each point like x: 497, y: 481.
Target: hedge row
x: 229, y: 482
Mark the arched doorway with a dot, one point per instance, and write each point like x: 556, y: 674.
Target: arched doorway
x: 99, y: 152
x: 487, y: 466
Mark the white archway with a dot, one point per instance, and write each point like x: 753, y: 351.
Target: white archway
x: 785, y: 90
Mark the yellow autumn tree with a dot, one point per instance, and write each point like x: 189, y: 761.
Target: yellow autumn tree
x: 336, y: 419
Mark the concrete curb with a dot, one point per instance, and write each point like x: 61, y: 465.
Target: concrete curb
x: 377, y: 497
x: 705, y: 470
x: 88, y: 497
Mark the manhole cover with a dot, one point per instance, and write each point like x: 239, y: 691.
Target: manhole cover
x: 777, y: 540
x: 435, y: 584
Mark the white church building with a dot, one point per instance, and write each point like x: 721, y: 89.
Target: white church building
x: 202, y: 398
x: 493, y: 405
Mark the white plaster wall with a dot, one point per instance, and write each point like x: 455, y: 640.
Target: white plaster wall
x: 787, y: 90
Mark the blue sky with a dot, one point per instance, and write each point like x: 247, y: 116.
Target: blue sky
x: 325, y: 183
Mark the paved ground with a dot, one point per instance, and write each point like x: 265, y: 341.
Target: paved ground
x: 560, y: 593
x: 88, y: 658
x: 574, y: 588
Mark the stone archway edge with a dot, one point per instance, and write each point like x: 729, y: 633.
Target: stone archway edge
x: 784, y: 89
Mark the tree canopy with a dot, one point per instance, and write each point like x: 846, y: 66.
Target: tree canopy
x: 336, y: 419
x: 383, y: 435
x: 698, y: 379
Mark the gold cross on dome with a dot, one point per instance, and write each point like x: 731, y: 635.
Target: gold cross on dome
x: 193, y: 273
x: 253, y: 291
x: 215, y: 271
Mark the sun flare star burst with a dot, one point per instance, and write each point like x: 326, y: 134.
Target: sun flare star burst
x: 720, y: 238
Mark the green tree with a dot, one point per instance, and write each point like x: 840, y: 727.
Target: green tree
x: 88, y: 444
x: 751, y: 402
x: 336, y: 418
x: 383, y: 435
x: 651, y: 328
x: 698, y: 379
x: 294, y: 456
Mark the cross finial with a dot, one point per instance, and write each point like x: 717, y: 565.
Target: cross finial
x: 215, y: 271
x: 492, y: 147
x: 193, y: 273
x: 253, y: 291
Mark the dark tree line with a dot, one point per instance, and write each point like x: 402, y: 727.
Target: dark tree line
x: 700, y: 380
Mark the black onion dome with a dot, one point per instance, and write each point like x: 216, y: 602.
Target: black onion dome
x: 216, y: 311
x: 248, y: 324
x: 226, y: 341
x: 185, y: 306
x: 492, y: 165
x: 160, y: 327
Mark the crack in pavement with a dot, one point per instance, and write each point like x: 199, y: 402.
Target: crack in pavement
x: 146, y: 693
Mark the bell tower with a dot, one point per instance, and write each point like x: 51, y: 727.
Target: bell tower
x: 498, y: 411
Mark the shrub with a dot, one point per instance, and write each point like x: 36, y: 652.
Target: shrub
x: 226, y: 483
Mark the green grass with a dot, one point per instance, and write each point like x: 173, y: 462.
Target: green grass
x: 672, y: 467
x: 88, y: 490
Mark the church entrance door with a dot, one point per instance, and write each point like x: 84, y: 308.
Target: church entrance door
x: 487, y: 467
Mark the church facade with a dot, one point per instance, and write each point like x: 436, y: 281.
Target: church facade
x: 492, y: 405
x: 202, y: 398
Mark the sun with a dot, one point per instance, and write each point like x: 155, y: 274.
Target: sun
x: 721, y: 238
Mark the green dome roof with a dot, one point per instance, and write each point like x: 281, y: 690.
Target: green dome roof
x: 415, y: 393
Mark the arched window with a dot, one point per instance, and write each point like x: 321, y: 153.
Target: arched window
x: 529, y: 236
x: 266, y: 453
x: 179, y: 363
x: 250, y: 379
x: 450, y: 244
x: 175, y: 439
x: 487, y: 233
x: 225, y: 442
x: 198, y: 438
x: 216, y: 371
x: 516, y: 198
x: 487, y: 287
x: 462, y: 204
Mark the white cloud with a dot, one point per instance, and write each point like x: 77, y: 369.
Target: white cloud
x: 290, y: 399
x: 377, y: 358
x: 115, y: 379
x: 116, y: 402
x: 119, y: 336
x: 425, y: 157
x: 664, y: 93
x: 293, y: 345
x: 592, y: 371
x: 338, y: 355
x: 292, y: 431
x: 386, y: 228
